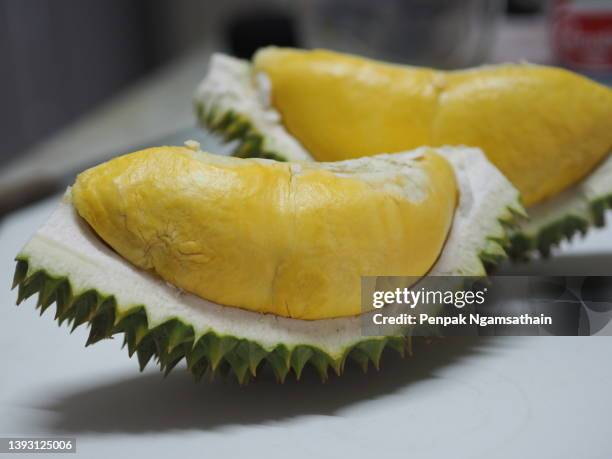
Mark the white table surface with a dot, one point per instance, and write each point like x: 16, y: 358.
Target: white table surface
x: 544, y: 397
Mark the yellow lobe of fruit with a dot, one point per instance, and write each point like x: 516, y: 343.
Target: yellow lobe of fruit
x: 291, y: 239
x: 544, y: 128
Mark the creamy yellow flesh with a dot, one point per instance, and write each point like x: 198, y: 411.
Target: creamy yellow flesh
x: 288, y: 239
x: 544, y: 128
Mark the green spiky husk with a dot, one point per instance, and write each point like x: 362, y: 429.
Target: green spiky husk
x: 548, y: 236
x: 174, y: 340
x: 233, y: 127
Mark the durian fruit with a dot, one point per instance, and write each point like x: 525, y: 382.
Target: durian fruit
x: 548, y: 130
x: 237, y: 264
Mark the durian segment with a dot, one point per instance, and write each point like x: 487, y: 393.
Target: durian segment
x: 66, y: 263
x: 290, y: 239
x: 219, y: 110
x: 545, y: 128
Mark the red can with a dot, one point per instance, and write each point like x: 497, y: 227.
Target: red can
x: 582, y: 34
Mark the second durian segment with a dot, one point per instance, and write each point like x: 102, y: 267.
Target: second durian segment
x: 219, y: 261
x: 548, y: 130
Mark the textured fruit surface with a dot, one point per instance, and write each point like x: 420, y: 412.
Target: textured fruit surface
x: 544, y: 128
x: 291, y: 239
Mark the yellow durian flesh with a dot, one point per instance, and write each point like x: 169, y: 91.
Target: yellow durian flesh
x: 290, y: 239
x: 544, y: 128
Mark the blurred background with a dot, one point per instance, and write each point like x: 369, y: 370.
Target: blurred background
x: 83, y: 79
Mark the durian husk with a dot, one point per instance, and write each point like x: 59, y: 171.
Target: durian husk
x: 569, y: 214
x: 67, y: 264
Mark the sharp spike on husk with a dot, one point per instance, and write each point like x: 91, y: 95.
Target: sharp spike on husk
x: 398, y: 343
x: 170, y: 364
x: 102, y: 322
x: 299, y: 358
x: 134, y: 325
x: 199, y: 369
x: 21, y: 272
x: 31, y: 285
x: 256, y: 355
x: 338, y: 364
x: 240, y: 366
x: 279, y: 360
x: 321, y: 363
x: 198, y: 353
x: 361, y: 358
x: 145, y: 352
x: 46, y: 295
x: 84, y: 308
x: 217, y: 348
x: 373, y: 349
